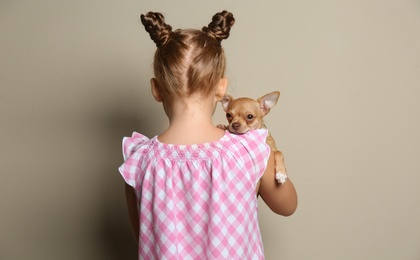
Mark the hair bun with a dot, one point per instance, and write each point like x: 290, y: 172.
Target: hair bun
x: 155, y: 25
x: 220, y: 25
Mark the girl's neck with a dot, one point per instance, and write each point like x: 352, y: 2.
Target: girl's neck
x: 191, y: 123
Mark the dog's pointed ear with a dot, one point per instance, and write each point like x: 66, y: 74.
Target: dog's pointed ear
x: 226, y: 100
x: 268, y: 101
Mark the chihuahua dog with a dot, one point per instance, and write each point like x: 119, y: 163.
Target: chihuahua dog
x: 244, y: 114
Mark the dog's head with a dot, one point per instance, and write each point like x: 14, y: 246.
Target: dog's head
x: 244, y: 114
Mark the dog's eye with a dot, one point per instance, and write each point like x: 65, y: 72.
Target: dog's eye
x: 249, y: 117
x: 228, y: 115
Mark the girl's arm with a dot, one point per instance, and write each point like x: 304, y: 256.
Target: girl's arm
x: 133, y: 214
x: 282, y: 199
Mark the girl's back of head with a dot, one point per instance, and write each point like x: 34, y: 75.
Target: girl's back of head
x: 188, y: 61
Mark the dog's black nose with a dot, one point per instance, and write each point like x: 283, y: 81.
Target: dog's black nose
x: 236, y: 126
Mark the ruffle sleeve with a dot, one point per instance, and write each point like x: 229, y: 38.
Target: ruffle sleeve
x: 254, y: 142
x: 132, y: 148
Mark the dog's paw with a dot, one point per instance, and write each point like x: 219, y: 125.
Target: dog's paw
x: 223, y: 127
x: 281, y: 177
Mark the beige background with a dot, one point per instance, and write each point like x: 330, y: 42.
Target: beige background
x: 74, y: 78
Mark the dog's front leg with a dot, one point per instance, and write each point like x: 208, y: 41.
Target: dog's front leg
x: 223, y: 127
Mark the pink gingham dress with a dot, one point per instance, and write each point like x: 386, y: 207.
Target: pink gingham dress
x: 197, y: 201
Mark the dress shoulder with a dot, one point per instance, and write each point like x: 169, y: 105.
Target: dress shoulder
x: 131, y: 147
x: 133, y: 143
x: 253, y: 138
x: 254, y: 152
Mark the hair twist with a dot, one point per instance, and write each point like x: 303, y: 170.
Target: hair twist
x: 220, y: 26
x: 155, y: 25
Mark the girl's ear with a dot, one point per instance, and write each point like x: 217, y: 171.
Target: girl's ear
x: 221, y: 89
x: 155, y: 90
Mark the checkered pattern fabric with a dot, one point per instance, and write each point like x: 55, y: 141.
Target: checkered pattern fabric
x: 197, y: 201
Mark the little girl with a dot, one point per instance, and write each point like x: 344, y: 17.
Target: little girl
x: 192, y: 191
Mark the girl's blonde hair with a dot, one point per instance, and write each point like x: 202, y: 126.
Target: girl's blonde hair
x: 188, y: 61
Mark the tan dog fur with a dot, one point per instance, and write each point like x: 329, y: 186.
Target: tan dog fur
x: 244, y: 114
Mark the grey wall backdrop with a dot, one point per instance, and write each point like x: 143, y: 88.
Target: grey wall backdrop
x: 74, y: 79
